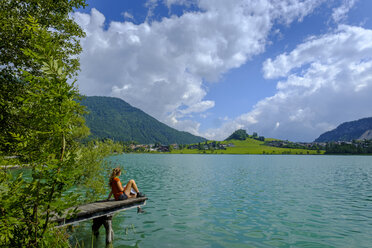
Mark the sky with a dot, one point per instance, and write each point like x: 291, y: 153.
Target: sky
x: 286, y: 69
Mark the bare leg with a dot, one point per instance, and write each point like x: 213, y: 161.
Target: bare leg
x: 131, y: 184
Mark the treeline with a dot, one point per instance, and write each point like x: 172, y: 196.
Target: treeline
x: 242, y: 134
x: 294, y: 145
x: 135, y: 147
x: 212, y: 145
x: 354, y: 147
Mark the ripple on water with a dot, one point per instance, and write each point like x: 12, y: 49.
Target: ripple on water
x: 246, y: 201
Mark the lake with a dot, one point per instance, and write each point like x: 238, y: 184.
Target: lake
x: 244, y: 201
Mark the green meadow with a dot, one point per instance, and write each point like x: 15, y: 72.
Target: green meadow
x: 249, y: 146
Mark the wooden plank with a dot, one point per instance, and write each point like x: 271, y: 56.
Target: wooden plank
x: 97, y: 209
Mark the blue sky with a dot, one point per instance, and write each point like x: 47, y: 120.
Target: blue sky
x: 288, y: 69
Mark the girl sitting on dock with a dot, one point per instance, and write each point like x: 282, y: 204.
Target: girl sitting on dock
x: 120, y: 193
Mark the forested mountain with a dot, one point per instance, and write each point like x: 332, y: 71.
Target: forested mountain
x: 113, y: 118
x: 348, y: 131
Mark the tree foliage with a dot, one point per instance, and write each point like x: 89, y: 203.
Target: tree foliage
x: 42, y: 123
x: 50, y: 15
x: 239, y: 134
x: 50, y: 125
x: 15, y: 39
x: 356, y: 147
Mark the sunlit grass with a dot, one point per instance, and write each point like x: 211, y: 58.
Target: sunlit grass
x: 249, y: 146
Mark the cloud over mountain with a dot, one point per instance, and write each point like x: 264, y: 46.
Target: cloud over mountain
x: 323, y: 82
x: 162, y: 67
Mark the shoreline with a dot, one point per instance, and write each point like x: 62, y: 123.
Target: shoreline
x: 278, y: 154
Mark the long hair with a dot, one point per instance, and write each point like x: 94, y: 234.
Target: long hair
x: 115, y: 172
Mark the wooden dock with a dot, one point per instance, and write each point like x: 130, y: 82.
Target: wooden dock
x: 101, y: 212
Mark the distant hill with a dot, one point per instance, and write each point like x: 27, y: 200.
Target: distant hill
x: 348, y: 131
x: 239, y: 134
x: 113, y: 118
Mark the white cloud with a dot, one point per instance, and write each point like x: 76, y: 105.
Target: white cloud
x: 340, y: 13
x: 169, y: 3
x: 128, y: 15
x: 289, y: 10
x: 160, y: 66
x: 197, y: 107
x: 185, y: 125
x: 151, y: 5
x: 327, y: 81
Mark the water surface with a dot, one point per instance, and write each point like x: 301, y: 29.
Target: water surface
x: 244, y: 201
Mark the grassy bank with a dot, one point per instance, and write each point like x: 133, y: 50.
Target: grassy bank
x: 248, y: 146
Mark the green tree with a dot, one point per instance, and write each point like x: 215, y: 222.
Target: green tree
x: 50, y: 15
x: 14, y: 39
x: 51, y: 124
x: 240, y: 134
x: 47, y: 140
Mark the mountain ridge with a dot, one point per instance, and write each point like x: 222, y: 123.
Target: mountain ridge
x: 113, y: 118
x: 348, y: 131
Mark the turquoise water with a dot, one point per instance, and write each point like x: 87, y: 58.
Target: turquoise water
x: 244, y: 201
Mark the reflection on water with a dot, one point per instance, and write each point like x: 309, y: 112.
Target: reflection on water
x: 244, y: 201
